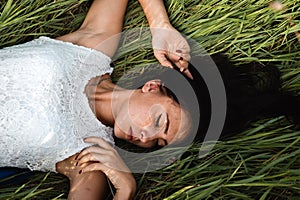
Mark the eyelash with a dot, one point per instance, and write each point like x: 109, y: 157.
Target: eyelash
x: 157, y: 125
x: 157, y: 121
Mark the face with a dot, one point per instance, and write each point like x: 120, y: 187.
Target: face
x: 151, y: 117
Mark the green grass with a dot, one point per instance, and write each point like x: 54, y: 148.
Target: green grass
x: 259, y: 165
x: 262, y: 162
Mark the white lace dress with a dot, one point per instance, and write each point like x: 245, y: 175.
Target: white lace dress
x: 44, y: 113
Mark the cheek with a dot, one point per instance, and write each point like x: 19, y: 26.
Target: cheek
x: 139, y: 115
x: 117, y: 131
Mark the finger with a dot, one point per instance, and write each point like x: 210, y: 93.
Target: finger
x: 179, y: 59
x: 100, y: 141
x: 111, y: 174
x: 185, y: 56
x: 94, y: 167
x: 101, y: 167
x: 180, y: 51
x: 91, y: 157
x: 183, y: 65
x: 188, y: 74
x: 91, y: 149
x: 161, y: 57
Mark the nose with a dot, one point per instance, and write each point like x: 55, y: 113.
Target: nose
x: 147, y: 136
x: 144, y: 136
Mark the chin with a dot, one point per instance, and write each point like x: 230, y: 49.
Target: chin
x: 118, y: 133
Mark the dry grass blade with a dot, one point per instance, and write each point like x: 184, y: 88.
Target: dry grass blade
x: 261, y: 162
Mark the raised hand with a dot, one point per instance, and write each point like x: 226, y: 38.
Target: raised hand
x: 168, y: 44
x: 170, y: 47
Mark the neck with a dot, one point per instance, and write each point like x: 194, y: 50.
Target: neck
x: 103, y: 108
x: 107, y: 101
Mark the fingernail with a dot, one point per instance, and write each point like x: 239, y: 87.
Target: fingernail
x: 181, y: 58
x: 80, y: 171
x: 183, y: 69
x: 178, y: 51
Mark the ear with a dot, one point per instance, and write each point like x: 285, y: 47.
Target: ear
x: 152, y: 86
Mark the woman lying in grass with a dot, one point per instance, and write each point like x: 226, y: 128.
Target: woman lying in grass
x: 49, y: 92
x: 45, y: 115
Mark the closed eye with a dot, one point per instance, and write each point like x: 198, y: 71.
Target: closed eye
x: 157, y: 120
x: 166, y: 129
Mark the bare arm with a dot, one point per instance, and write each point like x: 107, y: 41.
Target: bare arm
x: 90, y: 185
x: 169, y: 46
x: 103, y: 20
x: 88, y: 170
x: 155, y: 12
x: 103, y: 157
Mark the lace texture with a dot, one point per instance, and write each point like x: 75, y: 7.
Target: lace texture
x: 44, y: 113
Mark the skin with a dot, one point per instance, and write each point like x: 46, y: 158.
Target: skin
x: 149, y: 117
x: 95, y: 29
x: 145, y: 117
x: 89, y: 170
x: 166, y: 50
x: 150, y: 111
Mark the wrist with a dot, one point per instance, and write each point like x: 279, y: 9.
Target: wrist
x: 122, y: 195
x: 125, y: 189
x: 156, y: 13
x: 160, y: 24
x: 125, y: 193
x: 159, y: 27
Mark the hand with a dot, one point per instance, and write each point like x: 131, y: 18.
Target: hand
x: 171, y: 47
x: 105, y: 158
